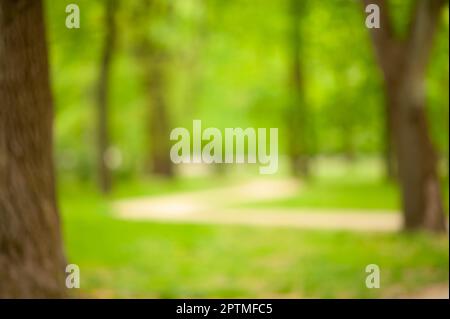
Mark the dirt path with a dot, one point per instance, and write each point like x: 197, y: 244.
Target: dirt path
x: 213, y: 207
x: 439, y: 291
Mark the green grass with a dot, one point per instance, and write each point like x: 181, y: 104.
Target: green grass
x: 143, y: 259
x: 147, y: 187
x: 144, y: 186
x: 339, y: 184
x: 340, y: 194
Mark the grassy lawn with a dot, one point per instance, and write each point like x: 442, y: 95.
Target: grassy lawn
x: 339, y: 194
x: 339, y: 185
x: 144, y: 187
x: 144, y: 259
x: 344, y: 194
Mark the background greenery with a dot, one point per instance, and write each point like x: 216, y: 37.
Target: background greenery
x: 230, y: 68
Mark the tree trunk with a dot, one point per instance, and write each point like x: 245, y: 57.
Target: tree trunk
x: 104, y: 174
x: 389, y: 153
x: 31, y: 256
x: 159, y: 129
x: 417, y: 160
x: 296, y: 115
x: 153, y: 56
x: 404, y: 63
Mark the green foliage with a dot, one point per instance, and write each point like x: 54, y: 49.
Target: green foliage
x: 230, y: 66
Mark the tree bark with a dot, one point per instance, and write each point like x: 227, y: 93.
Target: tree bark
x: 104, y: 174
x: 404, y: 64
x: 31, y: 256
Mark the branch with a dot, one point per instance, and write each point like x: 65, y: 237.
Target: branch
x: 422, y: 29
x: 382, y: 38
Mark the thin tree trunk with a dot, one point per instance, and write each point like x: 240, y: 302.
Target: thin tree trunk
x: 153, y: 57
x: 404, y: 64
x: 104, y: 174
x: 31, y: 256
x: 159, y: 128
x: 296, y: 115
x: 389, y: 153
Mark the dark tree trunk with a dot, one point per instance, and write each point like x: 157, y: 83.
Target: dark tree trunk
x: 32, y: 262
x: 404, y: 64
x: 296, y: 115
x: 153, y: 57
x: 422, y: 198
x: 389, y: 154
x: 159, y: 127
x: 104, y: 174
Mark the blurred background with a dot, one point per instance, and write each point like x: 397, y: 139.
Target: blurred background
x: 140, y: 226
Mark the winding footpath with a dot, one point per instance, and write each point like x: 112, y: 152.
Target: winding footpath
x: 218, y: 206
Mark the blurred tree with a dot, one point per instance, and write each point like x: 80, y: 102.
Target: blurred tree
x: 31, y: 256
x: 153, y: 56
x: 403, y: 63
x: 104, y: 174
x: 297, y: 110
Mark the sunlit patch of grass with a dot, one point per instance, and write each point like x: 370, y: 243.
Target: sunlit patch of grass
x: 338, y: 184
x: 342, y: 194
x: 157, y: 186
